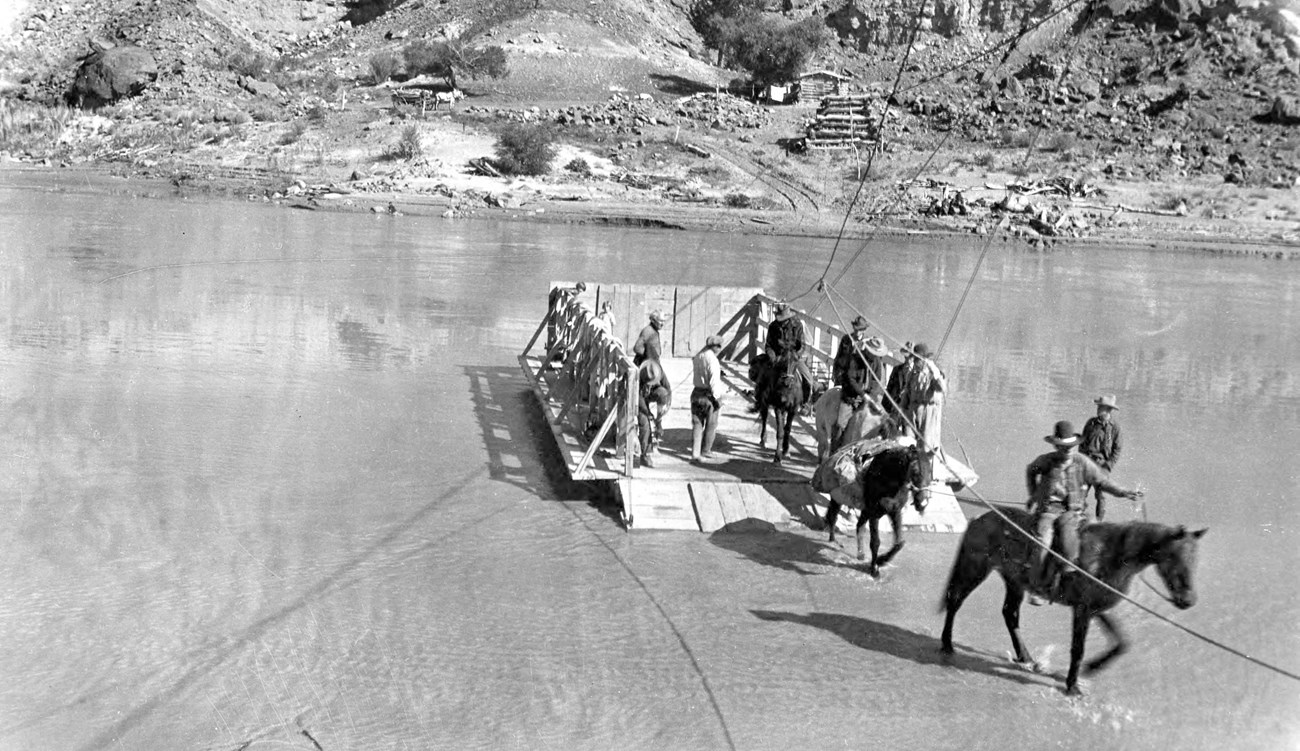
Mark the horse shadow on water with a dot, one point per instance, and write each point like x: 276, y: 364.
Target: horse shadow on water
x: 521, y: 450
x: 896, y: 641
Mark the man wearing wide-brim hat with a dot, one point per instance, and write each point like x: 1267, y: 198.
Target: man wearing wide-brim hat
x: 785, y: 344
x: 1058, y: 484
x: 859, y: 370
x: 924, y: 394
x: 1101, y: 443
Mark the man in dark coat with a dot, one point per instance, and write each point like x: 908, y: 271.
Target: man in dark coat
x: 1101, y: 443
x: 785, y: 341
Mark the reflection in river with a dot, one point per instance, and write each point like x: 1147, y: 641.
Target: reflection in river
x: 272, y: 477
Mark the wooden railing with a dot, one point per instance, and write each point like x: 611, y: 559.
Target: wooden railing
x: 595, y: 379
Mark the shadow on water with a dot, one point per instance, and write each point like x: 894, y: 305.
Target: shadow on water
x: 779, y: 549
x: 520, y: 447
x: 922, y: 649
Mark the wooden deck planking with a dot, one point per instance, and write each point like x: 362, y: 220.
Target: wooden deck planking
x: 708, y: 509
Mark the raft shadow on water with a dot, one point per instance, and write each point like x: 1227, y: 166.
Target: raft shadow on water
x: 520, y: 448
x: 908, y: 645
x: 775, y: 548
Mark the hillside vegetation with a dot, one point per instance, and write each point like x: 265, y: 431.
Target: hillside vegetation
x: 1180, y: 109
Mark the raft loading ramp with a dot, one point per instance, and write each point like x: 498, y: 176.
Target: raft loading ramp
x: 582, y: 374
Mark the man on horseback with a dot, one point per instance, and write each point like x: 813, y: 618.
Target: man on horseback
x: 1058, y: 484
x: 784, y: 348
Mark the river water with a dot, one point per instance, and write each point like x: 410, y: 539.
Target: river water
x: 271, y: 478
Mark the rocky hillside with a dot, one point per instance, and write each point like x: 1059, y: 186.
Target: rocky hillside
x: 1165, y: 91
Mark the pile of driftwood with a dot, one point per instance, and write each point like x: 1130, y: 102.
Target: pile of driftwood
x: 842, y: 122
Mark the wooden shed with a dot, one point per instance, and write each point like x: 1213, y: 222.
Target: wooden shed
x: 818, y: 84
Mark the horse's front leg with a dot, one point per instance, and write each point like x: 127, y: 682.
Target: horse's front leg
x: 1082, y: 618
x: 1120, y: 644
x: 832, y: 516
x: 778, y: 419
x: 1011, y: 616
x: 789, y: 426
x: 762, y: 426
x: 895, y: 523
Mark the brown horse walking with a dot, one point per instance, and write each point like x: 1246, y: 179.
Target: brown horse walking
x: 882, y: 484
x: 1113, y: 553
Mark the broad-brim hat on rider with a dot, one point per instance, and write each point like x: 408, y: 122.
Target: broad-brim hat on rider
x: 783, y: 311
x: 1063, y: 435
x: 875, y: 347
x: 1106, y: 400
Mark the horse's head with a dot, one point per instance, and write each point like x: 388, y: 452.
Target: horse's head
x: 920, y: 475
x: 758, y: 365
x: 1175, y: 559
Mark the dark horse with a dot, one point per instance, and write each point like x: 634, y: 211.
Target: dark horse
x: 1113, y: 553
x: 882, y: 484
x: 777, y: 385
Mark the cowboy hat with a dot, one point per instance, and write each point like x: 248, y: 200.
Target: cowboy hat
x: 860, y: 324
x: 657, y: 315
x: 713, y: 341
x: 874, y: 346
x: 1106, y: 400
x: 1063, y: 434
x: 921, y: 349
x: 782, y: 311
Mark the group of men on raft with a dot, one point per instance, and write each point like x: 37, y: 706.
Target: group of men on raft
x: 1058, y: 482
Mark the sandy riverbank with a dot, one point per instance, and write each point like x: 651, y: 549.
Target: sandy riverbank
x: 535, y: 201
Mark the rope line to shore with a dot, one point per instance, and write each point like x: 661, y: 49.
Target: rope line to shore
x: 1071, y: 564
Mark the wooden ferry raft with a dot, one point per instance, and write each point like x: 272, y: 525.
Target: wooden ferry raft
x: 582, y: 374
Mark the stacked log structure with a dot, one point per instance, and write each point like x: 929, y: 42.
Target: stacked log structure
x: 842, y: 122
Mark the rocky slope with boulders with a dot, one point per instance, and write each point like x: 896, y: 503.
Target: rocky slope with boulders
x: 1009, y: 115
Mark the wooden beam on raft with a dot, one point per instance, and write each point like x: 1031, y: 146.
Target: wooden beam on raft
x: 595, y: 443
x: 630, y: 429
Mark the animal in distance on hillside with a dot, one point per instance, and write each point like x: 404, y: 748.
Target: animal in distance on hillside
x: 447, y: 97
x: 1112, y: 553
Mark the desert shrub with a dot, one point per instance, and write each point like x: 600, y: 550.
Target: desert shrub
x: 316, y: 113
x: 250, y: 64
x: 408, y: 145
x: 579, y: 166
x: 1017, y: 139
x: 263, y: 113
x: 1060, y: 142
x: 525, y: 149
x: 30, y: 127
x: 382, y: 66
x: 738, y: 201
x: 296, y: 130
x: 984, y: 159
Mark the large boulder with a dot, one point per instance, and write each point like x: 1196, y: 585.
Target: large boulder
x: 109, y: 75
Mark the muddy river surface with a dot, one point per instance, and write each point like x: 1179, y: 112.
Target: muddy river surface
x: 272, y: 479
